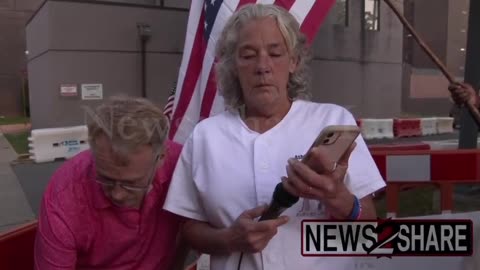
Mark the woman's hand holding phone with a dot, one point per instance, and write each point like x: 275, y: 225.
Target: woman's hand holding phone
x: 320, y: 175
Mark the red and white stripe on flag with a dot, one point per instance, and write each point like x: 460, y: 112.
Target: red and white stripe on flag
x: 168, y: 109
x: 196, y: 97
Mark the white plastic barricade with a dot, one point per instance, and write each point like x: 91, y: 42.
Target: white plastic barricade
x: 377, y: 128
x: 428, y: 126
x: 49, y: 144
x: 444, y: 125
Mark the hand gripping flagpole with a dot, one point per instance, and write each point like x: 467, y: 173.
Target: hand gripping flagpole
x: 471, y: 108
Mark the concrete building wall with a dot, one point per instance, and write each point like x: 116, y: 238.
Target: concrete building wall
x: 13, y: 16
x: 75, y: 43
x: 457, y: 36
x: 430, y: 19
x: 98, y: 43
x: 358, y: 68
x: 440, y: 25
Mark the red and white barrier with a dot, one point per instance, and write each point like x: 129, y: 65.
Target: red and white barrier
x: 442, y: 168
x: 444, y: 125
x: 446, y: 144
x: 376, y: 128
x: 399, y: 147
x: 407, y: 127
x: 429, y: 165
x: 429, y: 126
x: 404, y: 127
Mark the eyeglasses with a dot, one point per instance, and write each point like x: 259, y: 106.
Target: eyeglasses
x: 112, y: 183
x: 135, y: 188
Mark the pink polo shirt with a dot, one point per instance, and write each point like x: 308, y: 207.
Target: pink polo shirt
x: 79, y: 228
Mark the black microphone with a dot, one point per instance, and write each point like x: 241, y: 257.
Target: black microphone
x: 281, y: 200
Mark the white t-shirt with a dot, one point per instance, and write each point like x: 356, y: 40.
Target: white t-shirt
x: 225, y: 168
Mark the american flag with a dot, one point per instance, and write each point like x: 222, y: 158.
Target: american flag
x: 168, y: 109
x: 196, y: 97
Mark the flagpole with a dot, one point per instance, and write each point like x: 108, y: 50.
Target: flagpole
x: 471, y: 108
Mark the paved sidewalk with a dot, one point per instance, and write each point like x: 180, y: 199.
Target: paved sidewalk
x: 15, y: 128
x: 14, y: 207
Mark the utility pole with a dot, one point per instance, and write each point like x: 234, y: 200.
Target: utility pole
x: 469, y: 129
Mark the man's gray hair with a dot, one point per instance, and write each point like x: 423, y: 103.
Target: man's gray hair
x: 227, y: 80
x: 128, y: 122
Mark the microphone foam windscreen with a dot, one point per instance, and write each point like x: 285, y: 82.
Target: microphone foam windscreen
x: 282, y: 197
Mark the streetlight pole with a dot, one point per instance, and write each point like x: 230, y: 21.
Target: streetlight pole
x: 144, y: 32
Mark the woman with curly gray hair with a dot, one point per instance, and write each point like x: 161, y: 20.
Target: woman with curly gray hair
x: 228, y: 80
x: 232, y: 162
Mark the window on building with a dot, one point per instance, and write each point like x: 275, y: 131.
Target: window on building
x: 371, y: 13
x: 341, y: 12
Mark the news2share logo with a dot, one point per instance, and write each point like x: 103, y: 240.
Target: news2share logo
x: 387, y: 238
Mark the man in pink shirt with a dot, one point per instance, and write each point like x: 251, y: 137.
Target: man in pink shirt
x: 103, y: 208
